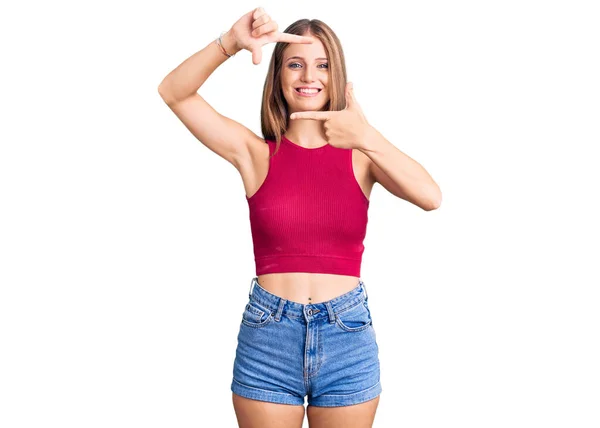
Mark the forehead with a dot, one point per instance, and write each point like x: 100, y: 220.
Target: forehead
x: 308, y: 51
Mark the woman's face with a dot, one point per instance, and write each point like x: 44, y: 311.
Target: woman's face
x: 305, y: 65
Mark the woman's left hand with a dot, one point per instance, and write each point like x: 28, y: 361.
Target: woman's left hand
x: 345, y: 129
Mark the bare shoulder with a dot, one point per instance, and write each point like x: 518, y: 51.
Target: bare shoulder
x: 362, y: 168
x: 258, y: 147
x: 254, y: 165
x: 256, y: 154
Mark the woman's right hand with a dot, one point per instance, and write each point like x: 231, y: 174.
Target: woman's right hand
x: 255, y: 29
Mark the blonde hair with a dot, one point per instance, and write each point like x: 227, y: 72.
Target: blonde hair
x: 274, y: 115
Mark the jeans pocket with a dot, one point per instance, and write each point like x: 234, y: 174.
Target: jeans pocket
x: 356, y: 318
x: 255, y: 315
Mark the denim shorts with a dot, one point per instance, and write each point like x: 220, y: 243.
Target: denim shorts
x: 287, y: 350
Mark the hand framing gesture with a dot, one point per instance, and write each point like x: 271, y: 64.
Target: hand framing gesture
x: 346, y: 129
x: 255, y: 29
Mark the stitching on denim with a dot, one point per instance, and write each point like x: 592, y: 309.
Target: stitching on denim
x: 354, y: 393
x: 265, y: 390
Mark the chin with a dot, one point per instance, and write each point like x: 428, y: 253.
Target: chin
x: 309, y: 106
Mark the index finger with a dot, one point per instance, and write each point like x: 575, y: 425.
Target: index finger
x: 293, y: 38
x: 315, y: 115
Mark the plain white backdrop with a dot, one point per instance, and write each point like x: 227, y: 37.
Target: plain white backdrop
x: 126, y: 253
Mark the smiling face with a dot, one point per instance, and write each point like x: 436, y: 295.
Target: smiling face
x: 305, y: 66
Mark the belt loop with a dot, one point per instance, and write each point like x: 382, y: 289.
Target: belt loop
x: 364, y: 288
x: 282, y: 302
x: 330, y: 312
x: 251, y: 287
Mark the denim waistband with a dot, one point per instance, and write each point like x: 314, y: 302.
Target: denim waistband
x: 314, y: 310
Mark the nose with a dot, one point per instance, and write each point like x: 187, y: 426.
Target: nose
x: 307, y: 76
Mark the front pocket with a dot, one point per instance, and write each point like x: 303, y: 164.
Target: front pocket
x: 357, y: 318
x: 256, y: 315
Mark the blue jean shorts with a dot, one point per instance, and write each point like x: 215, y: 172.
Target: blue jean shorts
x: 325, y: 351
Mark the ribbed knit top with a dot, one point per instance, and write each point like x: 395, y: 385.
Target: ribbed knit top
x: 309, y: 214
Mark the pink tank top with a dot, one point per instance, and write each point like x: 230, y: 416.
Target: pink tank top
x: 309, y: 214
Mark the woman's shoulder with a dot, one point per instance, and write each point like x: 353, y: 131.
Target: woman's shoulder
x: 258, y: 147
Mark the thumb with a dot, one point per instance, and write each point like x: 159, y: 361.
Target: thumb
x: 256, y: 55
x: 350, y: 101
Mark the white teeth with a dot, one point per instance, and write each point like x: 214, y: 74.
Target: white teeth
x: 308, y: 91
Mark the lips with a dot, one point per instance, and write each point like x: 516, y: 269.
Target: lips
x: 305, y: 94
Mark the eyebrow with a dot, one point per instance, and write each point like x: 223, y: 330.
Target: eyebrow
x: 299, y: 57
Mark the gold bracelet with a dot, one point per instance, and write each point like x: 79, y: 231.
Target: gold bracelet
x: 220, y: 44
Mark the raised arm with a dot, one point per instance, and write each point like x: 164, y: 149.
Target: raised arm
x: 225, y: 137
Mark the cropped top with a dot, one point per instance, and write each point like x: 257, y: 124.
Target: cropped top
x: 309, y: 214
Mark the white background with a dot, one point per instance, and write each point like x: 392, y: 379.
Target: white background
x: 126, y: 253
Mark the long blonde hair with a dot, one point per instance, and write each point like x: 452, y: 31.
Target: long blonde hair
x: 274, y: 115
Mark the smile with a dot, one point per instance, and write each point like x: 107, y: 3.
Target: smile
x: 308, y: 93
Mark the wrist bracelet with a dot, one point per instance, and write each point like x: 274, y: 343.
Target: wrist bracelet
x: 220, y: 44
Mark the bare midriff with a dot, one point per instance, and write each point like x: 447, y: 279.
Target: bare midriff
x: 306, y: 287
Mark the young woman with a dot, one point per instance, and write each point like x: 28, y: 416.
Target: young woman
x: 306, y: 330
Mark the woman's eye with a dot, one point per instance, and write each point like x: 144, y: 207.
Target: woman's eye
x: 295, y: 63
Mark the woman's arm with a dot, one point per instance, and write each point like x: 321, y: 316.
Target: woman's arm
x: 226, y: 137
x: 190, y: 75
x: 400, y: 174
